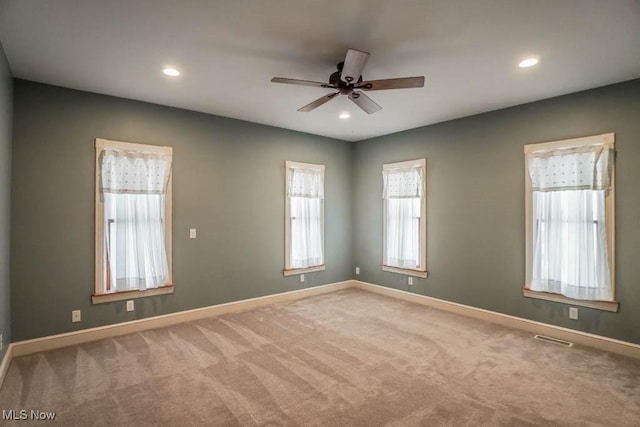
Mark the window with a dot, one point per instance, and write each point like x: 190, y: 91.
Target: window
x: 570, y: 230
x: 404, y: 209
x: 304, y: 222
x: 133, y: 220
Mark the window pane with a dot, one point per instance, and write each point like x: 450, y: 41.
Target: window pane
x: 135, y: 240
x: 306, y: 232
x: 403, y: 233
x: 570, y: 254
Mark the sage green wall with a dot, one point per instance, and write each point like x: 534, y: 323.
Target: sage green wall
x: 228, y: 183
x: 475, y: 204
x: 6, y: 108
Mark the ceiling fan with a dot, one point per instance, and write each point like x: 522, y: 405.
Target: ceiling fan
x: 348, y: 81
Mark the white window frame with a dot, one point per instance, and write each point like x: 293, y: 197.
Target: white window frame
x: 288, y: 271
x: 608, y: 140
x: 100, y: 296
x: 421, y: 271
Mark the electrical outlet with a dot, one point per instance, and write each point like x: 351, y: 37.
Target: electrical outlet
x: 192, y: 233
x: 75, y: 316
x: 410, y: 281
x: 130, y: 305
x: 573, y: 313
x: 302, y: 278
x: 357, y: 270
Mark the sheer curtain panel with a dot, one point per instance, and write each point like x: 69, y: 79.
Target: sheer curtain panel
x: 133, y: 186
x: 569, y: 241
x: 305, y: 228
x: 403, y: 195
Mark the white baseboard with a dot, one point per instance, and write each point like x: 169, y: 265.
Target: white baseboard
x: 596, y: 341
x: 22, y: 348
x: 6, y: 361
x: 36, y: 345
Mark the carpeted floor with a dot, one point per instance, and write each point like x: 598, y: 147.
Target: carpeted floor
x: 345, y: 358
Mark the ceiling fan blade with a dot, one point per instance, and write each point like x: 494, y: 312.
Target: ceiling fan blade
x: 354, y: 62
x: 401, y: 83
x: 364, y: 102
x: 300, y: 82
x: 318, y: 102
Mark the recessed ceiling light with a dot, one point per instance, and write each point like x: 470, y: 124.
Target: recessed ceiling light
x: 171, y: 72
x: 529, y: 62
x: 344, y: 116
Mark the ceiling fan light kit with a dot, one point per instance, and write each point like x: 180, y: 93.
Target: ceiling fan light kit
x: 347, y: 80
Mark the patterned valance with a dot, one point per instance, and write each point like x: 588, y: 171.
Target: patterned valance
x: 578, y: 168
x: 134, y: 172
x: 402, y: 183
x: 305, y: 182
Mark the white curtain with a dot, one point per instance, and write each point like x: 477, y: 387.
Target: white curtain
x: 134, y: 172
x: 134, y: 186
x: 305, y: 190
x: 581, y: 168
x: 570, y: 251
x: 402, y: 183
x: 403, y: 233
x: 402, y: 191
x: 570, y: 244
x: 305, y: 182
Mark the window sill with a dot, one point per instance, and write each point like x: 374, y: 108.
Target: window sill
x: 406, y: 271
x: 295, y: 271
x: 125, y: 295
x: 598, y: 305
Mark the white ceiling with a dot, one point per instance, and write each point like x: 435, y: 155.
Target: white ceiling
x: 228, y: 50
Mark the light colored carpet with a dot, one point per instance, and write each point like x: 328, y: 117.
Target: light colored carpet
x: 345, y: 358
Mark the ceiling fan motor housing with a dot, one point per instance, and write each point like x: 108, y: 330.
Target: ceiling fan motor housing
x: 336, y: 81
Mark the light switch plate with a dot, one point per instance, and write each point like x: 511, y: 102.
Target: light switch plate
x: 130, y: 305
x: 357, y: 270
x: 410, y: 281
x: 302, y: 278
x: 192, y: 233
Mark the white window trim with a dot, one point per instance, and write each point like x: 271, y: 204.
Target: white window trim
x: 608, y: 140
x: 422, y: 270
x: 296, y: 271
x: 99, y: 295
x: 406, y: 271
x: 288, y: 271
